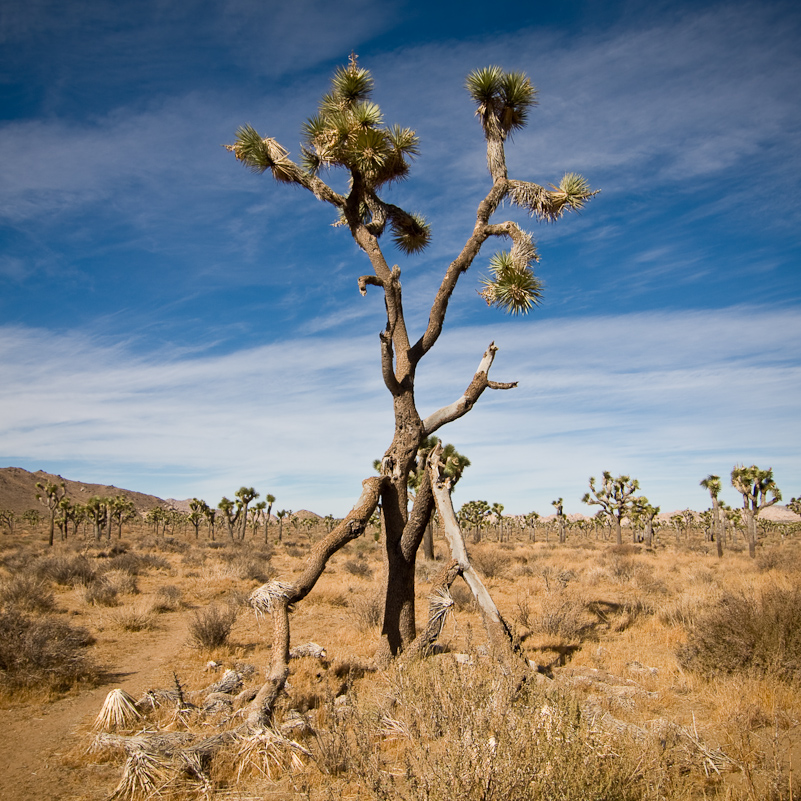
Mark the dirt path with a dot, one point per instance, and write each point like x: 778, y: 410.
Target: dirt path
x: 34, y: 738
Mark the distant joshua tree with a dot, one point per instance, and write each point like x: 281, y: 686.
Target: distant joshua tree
x: 270, y: 501
x: 645, y: 512
x: 714, y: 486
x: 197, y: 514
x: 230, y: 514
x: 50, y: 494
x: 558, y: 504
x: 244, y: 496
x: 615, y: 497
x: 755, y: 485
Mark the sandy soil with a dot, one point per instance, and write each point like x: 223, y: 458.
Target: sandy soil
x: 38, y: 741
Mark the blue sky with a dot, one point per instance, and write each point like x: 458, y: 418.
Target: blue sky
x: 173, y: 324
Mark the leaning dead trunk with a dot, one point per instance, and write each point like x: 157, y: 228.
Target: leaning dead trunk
x: 498, y: 633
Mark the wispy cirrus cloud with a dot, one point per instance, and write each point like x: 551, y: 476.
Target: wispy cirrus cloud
x: 661, y: 397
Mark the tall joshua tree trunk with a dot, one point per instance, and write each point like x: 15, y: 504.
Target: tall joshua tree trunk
x: 348, y: 133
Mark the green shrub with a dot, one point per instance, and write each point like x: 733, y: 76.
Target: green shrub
x: 42, y: 651
x: 748, y: 632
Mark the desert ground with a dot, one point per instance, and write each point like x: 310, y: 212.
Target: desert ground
x: 655, y: 673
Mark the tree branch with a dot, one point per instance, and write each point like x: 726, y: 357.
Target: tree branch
x: 277, y: 598
x: 458, y: 266
x: 498, y: 632
x: 463, y: 405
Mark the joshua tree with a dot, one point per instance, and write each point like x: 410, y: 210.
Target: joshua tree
x: 230, y: 513
x: 197, y: 514
x: 531, y: 522
x: 50, y: 494
x: 281, y: 514
x: 560, y: 517
x: 211, y: 518
x: 643, y: 511
x: 348, y: 133
x: 755, y: 485
x: 8, y: 518
x: 97, y: 512
x: 270, y: 501
x: 256, y: 516
x: 244, y: 496
x: 615, y: 497
x: 794, y: 505
x: 714, y: 486
x: 473, y: 514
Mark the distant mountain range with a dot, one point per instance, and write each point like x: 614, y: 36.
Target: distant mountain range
x: 18, y: 492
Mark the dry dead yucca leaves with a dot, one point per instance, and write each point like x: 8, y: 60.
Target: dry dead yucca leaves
x: 118, y: 712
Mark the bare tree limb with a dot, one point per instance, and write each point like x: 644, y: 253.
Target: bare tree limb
x: 498, y: 632
x: 465, y: 403
x: 277, y: 598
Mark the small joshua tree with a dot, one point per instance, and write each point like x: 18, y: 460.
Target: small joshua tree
x: 755, y: 485
x: 615, y: 497
x: 645, y: 512
x: 558, y: 504
x: 713, y: 484
x: 50, y: 494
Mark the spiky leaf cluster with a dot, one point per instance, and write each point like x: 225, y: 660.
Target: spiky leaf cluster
x: 259, y: 155
x: 550, y: 204
x: 348, y: 131
x: 512, y: 285
x: 502, y: 98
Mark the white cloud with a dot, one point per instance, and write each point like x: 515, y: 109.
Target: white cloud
x: 662, y: 397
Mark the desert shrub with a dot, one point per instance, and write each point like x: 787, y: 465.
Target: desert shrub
x: 359, y: 567
x: 137, y: 563
x: 27, y: 593
x: 67, y: 571
x: 621, y: 567
x: 135, y: 617
x: 122, y: 581
x: 757, y: 632
x: 563, y: 616
x: 462, y: 597
x: 492, y: 563
x: 42, y: 651
x: 101, y: 593
x: 251, y: 568
x: 369, y: 611
x: 168, y: 598
x: 472, y: 733
x: 211, y: 627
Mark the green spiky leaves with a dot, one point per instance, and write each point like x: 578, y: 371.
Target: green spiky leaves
x: 512, y: 285
x: 259, y: 154
x: 348, y: 131
x: 550, y: 204
x: 410, y: 232
x: 502, y: 99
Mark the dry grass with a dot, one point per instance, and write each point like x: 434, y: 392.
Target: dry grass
x: 674, y: 674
